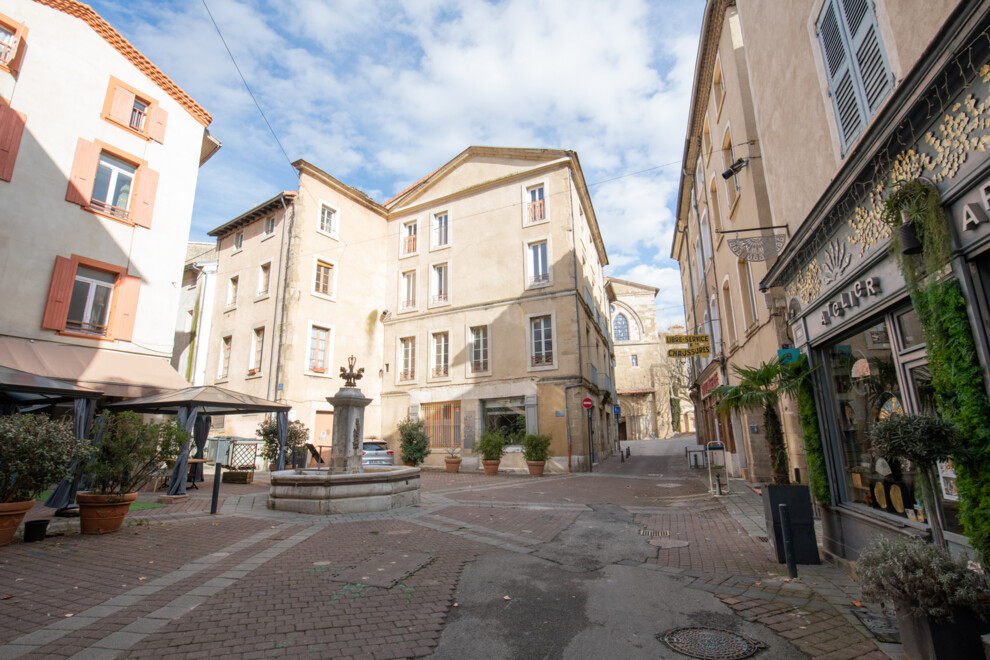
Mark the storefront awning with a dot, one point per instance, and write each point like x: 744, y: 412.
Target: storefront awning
x: 114, y: 373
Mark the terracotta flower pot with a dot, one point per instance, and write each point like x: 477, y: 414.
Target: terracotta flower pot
x: 536, y: 468
x: 490, y: 467
x: 452, y: 464
x: 102, y: 514
x: 11, y: 515
x: 409, y: 463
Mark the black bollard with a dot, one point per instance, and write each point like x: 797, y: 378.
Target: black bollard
x: 217, y: 470
x: 622, y: 456
x: 627, y: 452
x: 785, y: 533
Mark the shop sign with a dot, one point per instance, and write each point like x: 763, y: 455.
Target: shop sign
x: 709, y: 385
x: 689, y: 352
x: 836, y: 308
x: 688, y: 339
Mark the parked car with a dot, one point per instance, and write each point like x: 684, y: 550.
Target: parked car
x: 376, y: 453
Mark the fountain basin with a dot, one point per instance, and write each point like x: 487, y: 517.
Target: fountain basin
x: 315, y: 491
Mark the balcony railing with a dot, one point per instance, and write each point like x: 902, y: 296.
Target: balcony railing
x: 85, y: 327
x: 409, y: 244
x: 6, y: 52
x: 478, y: 366
x: 536, y: 211
x: 542, y: 278
x: 407, y: 304
x: 109, y: 209
x: 542, y: 359
x: 440, y: 371
x: 407, y: 374
x: 439, y: 298
x: 137, y: 119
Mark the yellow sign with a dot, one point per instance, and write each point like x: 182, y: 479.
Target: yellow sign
x: 689, y: 352
x: 688, y: 339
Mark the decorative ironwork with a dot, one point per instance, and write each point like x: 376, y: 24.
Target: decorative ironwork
x: 710, y: 643
x: 757, y: 248
x: 350, y: 376
x: 836, y: 262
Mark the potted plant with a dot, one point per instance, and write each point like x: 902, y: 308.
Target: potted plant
x: 914, y: 208
x: 938, y: 600
x: 536, y: 451
x: 452, y: 461
x: 129, y: 453
x: 295, y: 438
x: 491, y: 446
x: 414, y: 444
x: 762, y: 387
x: 35, y: 451
x: 923, y: 440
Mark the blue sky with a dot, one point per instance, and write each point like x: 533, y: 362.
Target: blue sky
x: 379, y: 93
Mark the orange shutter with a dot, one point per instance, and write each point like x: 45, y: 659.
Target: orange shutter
x: 21, y: 45
x: 59, y: 294
x: 157, y: 118
x: 125, y: 308
x: 121, y: 106
x: 11, y: 130
x: 144, y: 201
x: 83, y: 173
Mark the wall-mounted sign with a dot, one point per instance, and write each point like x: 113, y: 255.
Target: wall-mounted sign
x: 753, y: 428
x: 616, y: 410
x: 710, y: 385
x: 559, y: 413
x: 788, y: 355
x: 688, y: 339
x: 837, y: 307
x: 689, y: 352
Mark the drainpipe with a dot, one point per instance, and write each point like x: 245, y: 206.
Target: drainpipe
x: 567, y: 422
x: 287, y: 225
x: 577, y: 322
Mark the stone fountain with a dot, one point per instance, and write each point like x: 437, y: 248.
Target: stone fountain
x: 345, y: 486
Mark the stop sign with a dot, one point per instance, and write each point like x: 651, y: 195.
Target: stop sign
x: 588, y: 403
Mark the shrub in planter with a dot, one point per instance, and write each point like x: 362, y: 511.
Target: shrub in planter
x: 491, y: 446
x: 414, y: 444
x: 295, y: 438
x: 35, y: 451
x: 536, y: 451
x: 452, y: 462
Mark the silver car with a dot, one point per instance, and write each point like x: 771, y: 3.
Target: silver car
x: 376, y: 453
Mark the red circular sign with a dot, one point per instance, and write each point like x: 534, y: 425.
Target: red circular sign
x: 587, y: 403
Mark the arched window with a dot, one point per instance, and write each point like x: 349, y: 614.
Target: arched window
x: 620, y: 327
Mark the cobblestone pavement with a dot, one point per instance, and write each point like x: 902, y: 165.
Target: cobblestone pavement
x: 255, y: 583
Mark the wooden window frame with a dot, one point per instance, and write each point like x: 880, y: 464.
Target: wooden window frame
x: 12, y: 64
x: 331, y: 293
x: 120, y: 95
x: 82, y: 180
x: 123, y: 304
x: 311, y: 367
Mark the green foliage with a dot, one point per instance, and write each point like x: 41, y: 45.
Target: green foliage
x: 414, y: 444
x: 536, y: 447
x: 131, y: 451
x: 35, y: 451
x: 918, y: 576
x: 921, y: 204
x: 923, y: 439
x: 492, y: 444
x: 808, y: 417
x: 675, y: 413
x: 296, y: 436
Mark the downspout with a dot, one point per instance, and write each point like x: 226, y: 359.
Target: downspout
x: 283, y: 266
x: 577, y: 322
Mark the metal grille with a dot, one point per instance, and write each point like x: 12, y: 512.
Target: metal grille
x: 242, y: 456
x: 710, y: 643
x: 443, y: 424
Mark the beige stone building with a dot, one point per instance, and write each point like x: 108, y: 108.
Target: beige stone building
x: 99, y: 156
x: 474, y: 299
x: 195, y: 316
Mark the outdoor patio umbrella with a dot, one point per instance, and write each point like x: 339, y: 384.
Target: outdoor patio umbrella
x: 187, y: 420
x: 200, y: 433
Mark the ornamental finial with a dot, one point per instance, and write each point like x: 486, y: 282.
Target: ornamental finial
x: 349, y: 375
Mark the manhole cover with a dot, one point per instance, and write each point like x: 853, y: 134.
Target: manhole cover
x: 710, y: 643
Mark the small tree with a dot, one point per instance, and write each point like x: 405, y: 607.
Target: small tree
x: 131, y: 451
x: 295, y: 438
x: 414, y: 444
x: 35, y: 451
x: 536, y: 447
x: 491, y: 445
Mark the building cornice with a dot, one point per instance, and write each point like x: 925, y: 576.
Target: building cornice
x: 256, y: 212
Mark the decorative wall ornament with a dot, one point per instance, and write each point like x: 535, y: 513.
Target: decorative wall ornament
x: 836, y: 262
x: 808, y: 284
x: 757, y: 248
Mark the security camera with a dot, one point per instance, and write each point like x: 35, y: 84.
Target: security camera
x: 734, y: 168
x: 384, y: 315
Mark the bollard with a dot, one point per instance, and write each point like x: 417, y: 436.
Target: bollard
x: 718, y: 485
x: 217, y: 470
x: 627, y: 452
x: 785, y: 533
x: 622, y: 455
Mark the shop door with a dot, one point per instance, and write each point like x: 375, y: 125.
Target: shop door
x: 322, y: 436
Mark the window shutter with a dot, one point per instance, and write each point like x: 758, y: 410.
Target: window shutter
x: 144, y: 202
x: 122, y: 105
x: 14, y: 65
x: 59, y: 294
x: 83, y: 173
x: 157, y: 118
x: 871, y: 61
x: 125, y: 309
x: 838, y: 64
x: 11, y: 130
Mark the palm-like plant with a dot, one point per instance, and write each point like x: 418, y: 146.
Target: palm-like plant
x: 762, y: 387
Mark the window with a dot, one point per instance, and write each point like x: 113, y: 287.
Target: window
x: 542, y: 341
x: 748, y: 296
x: 112, y: 189
x: 620, y: 327
x: 129, y: 108
x: 730, y: 320
x: 699, y: 258
x: 441, y: 230
x: 328, y: 220
x: 264, y: 279
x: 257, y: 348
x: 409, y: 230
x: 12, y: 36
x: 92, y: 298
x: 859, y: 77
x: 715, y: 328
x: 714, y: 205
x: 479, y: 349
x: 538, y: 263
x: 269, y: 227
x: 443, y: 424
x: 11, y: 130
x: 732, y: 183
x: 407, y: 348
x: 324, y: 280
x: 505, y: 415
x: 706, y: 140
x: 319, y: 340
x: 232, y: 291
x: 635, y: 360
x: 439, y: 285
x: 706, y: 236
x: 535, y: 208
x: 441, y: 354
x: 238, y: 241
x: 407, y: 294
x: 718, y: 85
x: 224, y: 368
x: 7, y: 43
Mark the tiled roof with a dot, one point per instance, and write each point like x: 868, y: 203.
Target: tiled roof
x: 133, y: 55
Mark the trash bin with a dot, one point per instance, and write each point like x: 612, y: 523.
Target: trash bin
x: 35, y: 530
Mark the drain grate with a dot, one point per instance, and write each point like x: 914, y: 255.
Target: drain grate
x: 654, y: 532
x: 710, y: 643
x: 763, y: 539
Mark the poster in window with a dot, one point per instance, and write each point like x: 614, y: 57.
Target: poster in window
x: 877, y: 337
x: 947, y: 479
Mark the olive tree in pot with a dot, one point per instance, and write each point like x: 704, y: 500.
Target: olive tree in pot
x: 35, y: 451
x: 452, y: 462
x: 491, y: 446
x: 536, y: 451
x: 130, y: 452
x: 940, y: 603
x: 414, y: 444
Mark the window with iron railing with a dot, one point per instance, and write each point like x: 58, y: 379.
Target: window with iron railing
x: 112, y: 188
x: 408, y: 291
x: 535, y: 209
x: 441, y: 230
x: 440, y: 284
x: 542, y: 337
x: 90, y: 304
x: 407, y: 347
x: 7, y: 43
x: 318, y: 341
x: 539, y: 268
x: 479, y: 349
x: 441, y: 354
x: 409, y: 231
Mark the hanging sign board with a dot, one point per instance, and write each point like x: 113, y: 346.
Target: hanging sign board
x: 688, y: 339
x: 689, y: 352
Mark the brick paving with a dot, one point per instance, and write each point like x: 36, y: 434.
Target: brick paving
x: 253, y: 583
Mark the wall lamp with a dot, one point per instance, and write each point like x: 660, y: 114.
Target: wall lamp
x: 735, y: 167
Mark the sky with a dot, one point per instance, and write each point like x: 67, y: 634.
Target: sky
x: 379, y: 93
